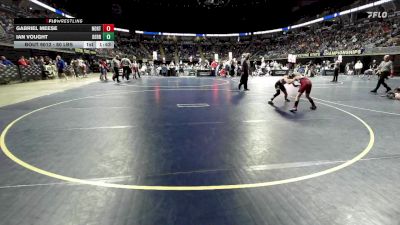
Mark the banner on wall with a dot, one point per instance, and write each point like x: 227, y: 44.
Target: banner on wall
x: 330, y: 53
x: 310, y: 54
x: 342, y: 52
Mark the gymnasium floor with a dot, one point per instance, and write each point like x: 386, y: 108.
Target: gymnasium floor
x: 197, y: 151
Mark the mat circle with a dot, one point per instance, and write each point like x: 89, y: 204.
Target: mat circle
x: 22, y: 163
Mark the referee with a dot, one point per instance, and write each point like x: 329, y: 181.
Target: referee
x: 245, y: 72
x: 336, y: 73
x: 384, y: 70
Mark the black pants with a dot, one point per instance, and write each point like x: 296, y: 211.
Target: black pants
x: 335, y: 75
x: 116, y: 75
x: 76, y: 71
x: 243, y: 80
x: 384, y: 75
x: 312, y: 73
x: 126, y: 72
x: 280, y: 87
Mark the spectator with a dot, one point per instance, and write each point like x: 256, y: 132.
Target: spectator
x: 22, y: 61
x: 103, y: 69
x: 83, y: 66
x: 214, y: 66
x: 47, y: 61
x: 116, y: 64
x: 31, y: 61
x: 172, y: 69
x: 5, y: 61
x: 36, y: 60
x: 358, y: 67
x: 164, y: 70
x: 143, y: 70
x: 135, y: 69
x: 75, y: 66
x: 40, y: 62
x: 61, y: 67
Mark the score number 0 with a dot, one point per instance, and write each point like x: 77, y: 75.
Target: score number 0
x: 108, y: 32
x: 108, y: 27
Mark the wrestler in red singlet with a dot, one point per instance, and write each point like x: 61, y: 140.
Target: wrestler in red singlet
x: 305, y: 86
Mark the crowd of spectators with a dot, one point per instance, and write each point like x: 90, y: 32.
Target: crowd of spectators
x: 6, y: 27
x: 76, y: 67
x: 337, y: 36
x: 10, y: 10
x: 358, y: 36
x: 334, y: 38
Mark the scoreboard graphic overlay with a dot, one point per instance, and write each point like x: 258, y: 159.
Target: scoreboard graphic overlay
x: 61, y: 33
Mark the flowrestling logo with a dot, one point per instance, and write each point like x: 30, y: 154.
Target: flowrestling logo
x: 380, y: 15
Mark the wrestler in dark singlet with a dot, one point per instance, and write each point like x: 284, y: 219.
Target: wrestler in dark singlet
x: 280, y: 86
